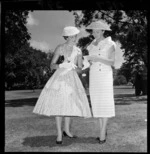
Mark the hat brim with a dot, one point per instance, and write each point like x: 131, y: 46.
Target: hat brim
x: 99, y: 25
x: 70, y: 31
x: 71, y: 34
x: 91, y: 28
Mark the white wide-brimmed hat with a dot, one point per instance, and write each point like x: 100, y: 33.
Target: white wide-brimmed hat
x: 70, y: 31
x: 99, y: 25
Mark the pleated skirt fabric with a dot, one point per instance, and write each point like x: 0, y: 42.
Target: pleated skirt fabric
x: 101, y: 90
x: 63, y: 95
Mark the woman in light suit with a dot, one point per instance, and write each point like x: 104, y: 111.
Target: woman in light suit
x: 102, y: 58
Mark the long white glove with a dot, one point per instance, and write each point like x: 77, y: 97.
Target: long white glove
x: 65, y: 65
x: 69, y: 66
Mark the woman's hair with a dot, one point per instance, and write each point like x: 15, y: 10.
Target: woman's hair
x: 106, y: 33
x: 65, y: 37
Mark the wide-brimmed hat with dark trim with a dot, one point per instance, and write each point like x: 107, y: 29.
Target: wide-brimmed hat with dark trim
x: 70, y: 31
x: 99, y: 25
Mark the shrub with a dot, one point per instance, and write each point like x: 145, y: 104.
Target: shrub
x: 120, y: 80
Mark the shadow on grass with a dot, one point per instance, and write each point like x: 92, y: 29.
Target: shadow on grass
x: 122, y: 99
x: 21, y: 102
x: 41, y: 141
x: 29, y: 92
x: 123, y: 87
x: 124, y: 95
x: 122, y: 103
x: 129, y: 97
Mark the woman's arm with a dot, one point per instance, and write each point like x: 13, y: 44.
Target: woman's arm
x: 53, y: 64
x: 109, y: 61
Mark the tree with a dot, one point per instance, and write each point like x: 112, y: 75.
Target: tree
x: 26, y: 68
x: 115, y: 72
x: 120, y: 80
x: 129, y: 27
x: 16, y: 33
x: 32, y: 80
x: 84, y: 42
x: 126, y: 70
x: 16, y: 36
x: 41, y: 65
x: 15, y: 66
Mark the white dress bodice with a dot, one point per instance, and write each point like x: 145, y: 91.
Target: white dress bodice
x: 101, y: 50
x: 101, y: 81
x: 72, y: 56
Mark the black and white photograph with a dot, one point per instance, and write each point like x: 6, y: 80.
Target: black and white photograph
x: 75, y: 80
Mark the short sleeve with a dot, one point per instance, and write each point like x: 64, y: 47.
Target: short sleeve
x: 89, y: 47
x: 111, y: 43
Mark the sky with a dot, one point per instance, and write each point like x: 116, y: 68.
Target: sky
x: 46, y: 31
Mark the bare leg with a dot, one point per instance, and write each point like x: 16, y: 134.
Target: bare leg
x: 58, y: 124
x: 100, y: 124
x: 67, y: 126
x: 103, y: 129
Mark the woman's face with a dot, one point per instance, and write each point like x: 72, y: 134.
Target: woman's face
x: 72, y: 38
x: 97, y: 33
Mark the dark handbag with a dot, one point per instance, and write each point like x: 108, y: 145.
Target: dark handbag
x: 60, y: 60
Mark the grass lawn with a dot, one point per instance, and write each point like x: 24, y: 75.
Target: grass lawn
x: 28, y: 132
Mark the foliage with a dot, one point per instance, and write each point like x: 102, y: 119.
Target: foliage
x: 120, y: 80
x: 129, y: 27
x: 26, y: 67
x: 83, y: 43
x: 16, y: 33
x: 115, y: 72
x: 126, y: 70
x: 16, y: 36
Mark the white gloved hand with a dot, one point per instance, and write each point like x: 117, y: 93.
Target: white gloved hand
x: 85, y: 63
x: 65, y: 65
x: 73, y: 66
x: 68, y: 66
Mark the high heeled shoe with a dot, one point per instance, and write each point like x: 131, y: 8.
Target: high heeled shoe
x: 66, y: 135
x: 98, y: 138
x: 58, y: 142
x: 102, y: 141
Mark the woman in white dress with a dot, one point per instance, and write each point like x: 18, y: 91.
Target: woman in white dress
x: 101, y: 57
x: 63, y: 94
